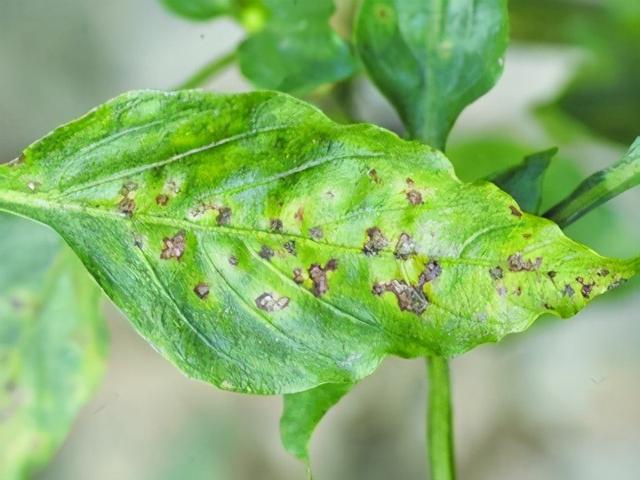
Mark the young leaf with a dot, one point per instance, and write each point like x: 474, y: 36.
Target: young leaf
x: 302, y: 413
x: 297, y: 50
x: 599, y: 188
x: 432, y: 58
x: 264, y: 248
x: 52, y: 344
x: 524, y: 182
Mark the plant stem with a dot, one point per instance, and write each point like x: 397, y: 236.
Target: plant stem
x: 439, y: 421
x: 599, y: 188
x: 209, y: 71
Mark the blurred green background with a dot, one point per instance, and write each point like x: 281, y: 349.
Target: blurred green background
x: 560, y: 402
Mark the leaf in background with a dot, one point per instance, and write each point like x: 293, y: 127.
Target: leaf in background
x: 302, y: 413
x: 432, y: 58
x: 524, y: 182
x: 599, y: 188
x: 603, y: 95
x: 199, y: 9
x: 263, y: 248
x: 297, y: 50
x: 249, y: 13
x: 52, y: 344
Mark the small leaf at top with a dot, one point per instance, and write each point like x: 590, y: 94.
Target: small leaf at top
x: 524, y: 182
x: 264, y: 248
x: 302, y: 413
x: 432, y: 58
x: 52, y: 344
x: 297, y: 50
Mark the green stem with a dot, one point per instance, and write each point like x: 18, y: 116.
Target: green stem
x: 599, y: 188
x: 439, y: 421
x: 206, y: 73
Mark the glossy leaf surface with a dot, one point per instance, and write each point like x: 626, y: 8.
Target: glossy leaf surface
x: 297, y: 50
x: 264, y: 248
x: 52, y: 344
x: 432, y: 58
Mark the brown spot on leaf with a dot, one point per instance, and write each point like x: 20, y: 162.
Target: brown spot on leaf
x: 603, y: 272
x: 410, y: 298
x: 551, y: 274
x: 318, y: 276
x: 138, y: 241
x: 173, y: 247
x: 224, y: 216
x: 275, y: 225
x: 405, y: 247
x: 201, y: 290
x: 127, y: 206
x: 414, y: 197
x: 316, y: 233
x: 432, y: 270
x: 162, y: 199
x: 374, y: 176
x: 266, y: 252
x: 376, y: 242
x: 515, y: 211
x: 269, y: 303
x: 568, y: 291
x: 518, y: 291
x: 299, y: 215
x: 517, y: 263
x: 526, y: 235
x: 587, y: 287
x: 127, y: 188
x: 497, y: 273
x: 298, y: 276
x: 617, y: 283
x: 233, y: 260
x: 290, y: 247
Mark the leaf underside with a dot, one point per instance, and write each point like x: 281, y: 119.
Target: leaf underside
x: 432, y: 58
x: 52, y: 344
x: 263, y: 248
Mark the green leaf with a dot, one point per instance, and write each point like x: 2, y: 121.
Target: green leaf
x: 525, y: 181
x: 297, y: 50
x: 52, y: 345
x: 264, y: 248
x: 302, y: 413
x: 199, y: 9
x: 599, y: 188
x: 432, y: 58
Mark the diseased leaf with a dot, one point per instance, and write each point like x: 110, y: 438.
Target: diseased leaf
x: 297, y: 50
x: 432, y: 58
x: 599, y: 188
x: 52, y: 344
x: 263, y: 248
x: 525, y: 181
x: 302, y: 413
